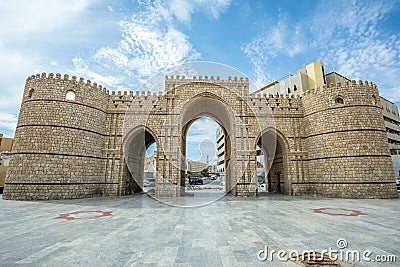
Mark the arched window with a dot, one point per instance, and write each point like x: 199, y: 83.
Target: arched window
x: 288, y: 90
x: 30, y: 94
x: 294, y: 88
x: 339, y: 100
x: 70, y: 95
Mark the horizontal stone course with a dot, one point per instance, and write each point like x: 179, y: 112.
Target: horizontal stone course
x: 74, y: 148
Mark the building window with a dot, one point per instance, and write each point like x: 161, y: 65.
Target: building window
x: 294, y: 88
x: 30, y: 94
x: 70, y: 95
x: 339, y: 100
x: 373, y: 100
x: 288, y: 90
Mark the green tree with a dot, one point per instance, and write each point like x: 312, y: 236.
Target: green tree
x: 204, y: 172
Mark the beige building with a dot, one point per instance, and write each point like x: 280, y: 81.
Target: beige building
x: 5, y: 143
x: 392, y: 123
x: 4, y: 163
x: 311, y: 76
x: 5, y: 148
x: 195, y: 167
x: 220, y: 151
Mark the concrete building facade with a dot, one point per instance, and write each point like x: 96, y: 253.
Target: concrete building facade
x: 392, y: 123
x: 330, y: 140
x: 5, y: 144
x: 220, y: 151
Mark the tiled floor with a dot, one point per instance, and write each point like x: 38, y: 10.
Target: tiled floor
x: 139, y: 230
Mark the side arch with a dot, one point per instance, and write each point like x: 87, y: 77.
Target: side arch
x: 276, y: 162
x: 135, y: 144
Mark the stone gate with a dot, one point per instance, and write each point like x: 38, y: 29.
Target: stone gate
x: 75, y: 139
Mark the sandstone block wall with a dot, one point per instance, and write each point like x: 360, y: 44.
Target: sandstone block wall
x: 74, y: 148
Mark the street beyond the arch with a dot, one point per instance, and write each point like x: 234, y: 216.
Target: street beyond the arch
x: 138, y: 230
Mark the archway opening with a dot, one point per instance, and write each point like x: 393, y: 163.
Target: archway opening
x: 271, y: 167
x: 140, y: 160
x: 149, y: 172
x: 204, y: 145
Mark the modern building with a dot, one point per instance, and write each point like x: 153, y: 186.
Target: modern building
x: 150, y: 163
x: 220, y: 137
x: 5, y: 143
x: 5, y: 149
x: 4, y: 163
x: 212, y: 169
x: 195, y: 167
x: 392, y: 123
x: 311, y: 76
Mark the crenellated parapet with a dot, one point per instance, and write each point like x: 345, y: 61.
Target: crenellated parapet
x: 237, y: 84
x: 277, y: 104
x: 337, y: 95
x: 121, y: 100
x: 56, y: 87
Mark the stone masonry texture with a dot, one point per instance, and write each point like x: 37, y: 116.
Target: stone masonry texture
x: 67, y: 149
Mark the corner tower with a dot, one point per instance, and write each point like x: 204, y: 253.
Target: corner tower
x: 59, y: 140
x: 346, y: 142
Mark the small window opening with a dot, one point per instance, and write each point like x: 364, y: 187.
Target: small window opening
x: 339, y: 100
x: 70, y: 95
x: 30, y: 94
x: 373, y: 100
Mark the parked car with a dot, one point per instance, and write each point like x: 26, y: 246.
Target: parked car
x: 195, y: 180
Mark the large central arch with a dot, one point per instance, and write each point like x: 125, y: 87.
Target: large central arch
x: 206, y: 104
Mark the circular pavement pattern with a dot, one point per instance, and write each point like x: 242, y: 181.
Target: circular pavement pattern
x: 84, y: 215
x: 339, y: 212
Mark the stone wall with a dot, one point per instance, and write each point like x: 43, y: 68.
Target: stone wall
x: 58, y: 148
x: 346, y: 143
x: 77, y: 148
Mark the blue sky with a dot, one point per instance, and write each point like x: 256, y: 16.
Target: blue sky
x: 120, y: 44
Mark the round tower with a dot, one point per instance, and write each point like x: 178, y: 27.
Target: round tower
x: 59, y: 140
x: 346, y: 141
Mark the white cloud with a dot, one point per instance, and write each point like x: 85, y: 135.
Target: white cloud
x: 281, y: 40
x: 28, y: 17
x: 183, y: 9
x: 150, y: 42
x: 82, y: 69
x: 201, y: 140
x: 8, y: 121
x: 365, y: 52
x: 202, y: 129
x: 345, y: 35
x: 25, y: 27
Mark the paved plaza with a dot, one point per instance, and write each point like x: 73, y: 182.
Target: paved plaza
x: 139, y: 230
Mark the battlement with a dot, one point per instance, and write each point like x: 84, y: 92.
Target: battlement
x: 239, y: 84
x: 205, y: 78
x: 277, y: 102
x: 353, y: 84
x: 135, y: 94
x: 59, y: 77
